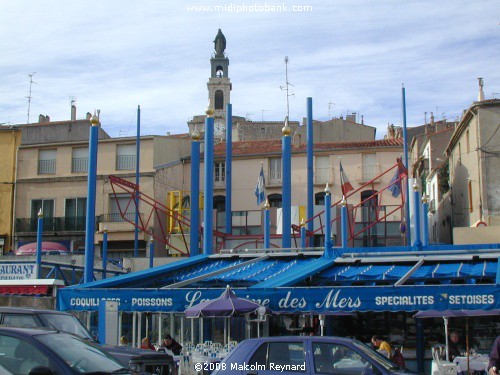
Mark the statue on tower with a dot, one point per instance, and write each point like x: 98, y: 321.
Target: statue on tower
x: 220, y: 44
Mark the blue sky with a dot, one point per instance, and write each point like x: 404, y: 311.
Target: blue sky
x: 113, y: 55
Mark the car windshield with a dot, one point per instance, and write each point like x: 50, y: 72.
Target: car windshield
x: 80, y: 355
x: 375, y: 356
x: 67, y: 323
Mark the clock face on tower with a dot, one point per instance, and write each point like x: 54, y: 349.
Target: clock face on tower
x: 219, y: 128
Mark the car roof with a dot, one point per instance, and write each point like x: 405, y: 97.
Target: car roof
x: 305, y: 338
x: 27, y: 331
x: 26, y: 310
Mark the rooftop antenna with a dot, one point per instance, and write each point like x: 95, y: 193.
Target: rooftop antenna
x: 286, y: 88
x: 264, y: 110
x: 29, y: 96
x: 330, y: 105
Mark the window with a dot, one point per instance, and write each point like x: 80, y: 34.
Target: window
x: 275, y: 170
x: 123, y: 202
x: 220, y: 174
x: 80, y: 160
x: 47, y: 208
x: 275, y: 200
x: 319, y: 198
x: 280, y: 354
x: 369, y: 167
x: 330, y: 358
x: 219, y: 99
x: 74, y: 213
x: 125, y: 157
x: 323, y: 169
x: 471, y: 204
x: 19, y: 356
x: 47, y: 161
x: 19, y: 320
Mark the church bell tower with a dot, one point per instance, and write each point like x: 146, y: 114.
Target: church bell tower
x: 219, y: 85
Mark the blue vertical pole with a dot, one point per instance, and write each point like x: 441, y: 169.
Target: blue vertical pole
x: 286, y: 241
x: 208, y: 201
x: 405, y: 151
x: 88, y: 275
x: 328, y: 222
x: 151, y: 252
x: 417, y: 242
x: 229, y: 164
x: 104, y: 253
x: 425, y: 221
x: 137, y: 165
x: 420, y: 350
x: 343, y: 222
x: 39, y: 231
x: 303, y: 237
x: 267, y: 226
x: 194, y: 239
x: 310, y: 170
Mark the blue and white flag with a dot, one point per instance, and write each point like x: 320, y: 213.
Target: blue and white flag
x: 395, y: 184
x: 260, y: 189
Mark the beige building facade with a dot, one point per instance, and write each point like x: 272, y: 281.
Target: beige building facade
x: 53, y: 178
x: 475, y: 167
x: 10, y: 139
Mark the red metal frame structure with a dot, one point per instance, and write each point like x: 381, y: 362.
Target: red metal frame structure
x: 161, y: 211
x: 352, y: 211
x: 150, y: 206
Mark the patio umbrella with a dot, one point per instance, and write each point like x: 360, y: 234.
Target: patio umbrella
x: 227, y: 305
x: 445, y: 314
x: 47, y: 246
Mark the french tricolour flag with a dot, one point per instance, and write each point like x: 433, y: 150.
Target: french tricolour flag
x: 344, y: 181
x: 260, y: 189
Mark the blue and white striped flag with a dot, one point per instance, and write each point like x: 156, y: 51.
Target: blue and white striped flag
x: 260, y: 189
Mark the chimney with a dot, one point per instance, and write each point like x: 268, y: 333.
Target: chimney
x: 73, y: 112
x: 41, y: 118
x: 480, y: 97
x: 88, y: 116
x: 362, y: 119
x: 432, y: 118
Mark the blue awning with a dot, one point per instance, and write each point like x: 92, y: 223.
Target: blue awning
x: 433, y: 273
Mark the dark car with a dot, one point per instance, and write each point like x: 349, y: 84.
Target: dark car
x: 139, y: 360
x: 47, y: 351
x: 302, y: 355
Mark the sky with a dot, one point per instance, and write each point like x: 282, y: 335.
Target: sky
x: 349, y: 56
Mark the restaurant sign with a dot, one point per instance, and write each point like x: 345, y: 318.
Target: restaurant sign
x: 291, y: 300
x: 17, y: 271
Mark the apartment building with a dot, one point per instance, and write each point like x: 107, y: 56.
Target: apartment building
x: 363, y: 162
x: 475, y: 167
x: 52, y: 178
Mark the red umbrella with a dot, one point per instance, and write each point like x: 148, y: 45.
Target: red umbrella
x: 30, y: 248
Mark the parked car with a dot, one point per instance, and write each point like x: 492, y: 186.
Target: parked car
x: 302, y: 355
x: 47, y: 351
x: 139, y: 360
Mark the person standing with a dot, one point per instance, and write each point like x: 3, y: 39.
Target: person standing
x: 494, y: 362
x: 172, y: 345
x: 382, y: 346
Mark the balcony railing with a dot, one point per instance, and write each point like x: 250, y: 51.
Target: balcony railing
x: 80, y: 165
x: 52, y: 224
x: 46, y: 166
x: 116, y: 217
x: 125, y: 162
x: 274, y: 177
